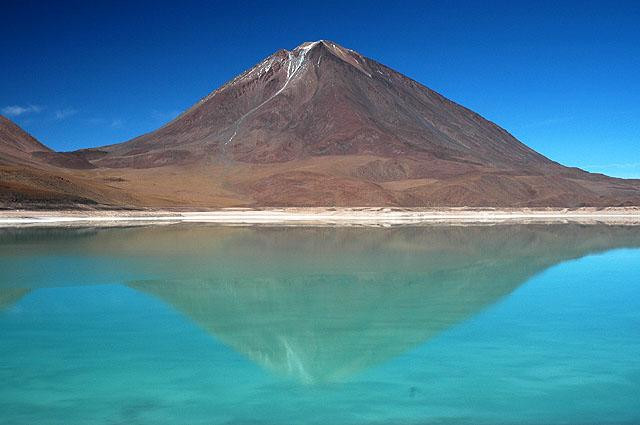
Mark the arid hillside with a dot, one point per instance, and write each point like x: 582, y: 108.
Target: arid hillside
x: 34, y: 176
x: 322, y: 125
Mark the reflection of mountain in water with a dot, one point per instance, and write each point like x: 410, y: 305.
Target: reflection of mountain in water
x: 367, y: 296
x: 10, y: 296
x: 327, y: 326
x: 315, y: 304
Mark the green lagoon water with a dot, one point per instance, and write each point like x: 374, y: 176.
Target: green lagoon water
x: 512, y: 324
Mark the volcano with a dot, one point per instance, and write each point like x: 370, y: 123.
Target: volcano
x: 321, y: 99
x: 322, y: 125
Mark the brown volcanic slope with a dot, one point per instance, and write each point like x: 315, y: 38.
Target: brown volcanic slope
x: 32, y: 175
x: 16, y: 145
x: 322, y: 125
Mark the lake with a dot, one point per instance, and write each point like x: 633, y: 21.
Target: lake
x: 200, y: 324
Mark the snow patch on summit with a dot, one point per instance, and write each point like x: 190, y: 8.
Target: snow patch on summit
x: 295, y: 61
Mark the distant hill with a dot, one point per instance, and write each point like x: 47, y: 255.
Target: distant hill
x: 322, y: 125
x: 16, y: 145
x: 34, y: 176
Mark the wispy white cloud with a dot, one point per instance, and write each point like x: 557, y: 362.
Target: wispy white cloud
x: 17, y: 110
x: 619, y: 165
x: 64, y: 113
x: 629, y: 170
x: 116, y: 123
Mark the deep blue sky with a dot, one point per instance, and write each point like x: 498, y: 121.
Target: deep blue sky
x: 563, y: 77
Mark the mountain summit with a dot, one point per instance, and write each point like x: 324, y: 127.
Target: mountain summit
x: 322, y: 99
x: 322, y: 125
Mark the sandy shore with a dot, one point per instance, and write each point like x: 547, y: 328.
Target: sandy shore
x: 323, y: 216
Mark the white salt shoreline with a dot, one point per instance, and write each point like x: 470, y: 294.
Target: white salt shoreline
x: 323, y: 216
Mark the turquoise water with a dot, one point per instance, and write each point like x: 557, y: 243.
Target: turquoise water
x: 513, y: 324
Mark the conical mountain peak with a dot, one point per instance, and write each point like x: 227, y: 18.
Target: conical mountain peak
x: 348, y: 56
x: 321, y: 124
x: 308, y: 45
